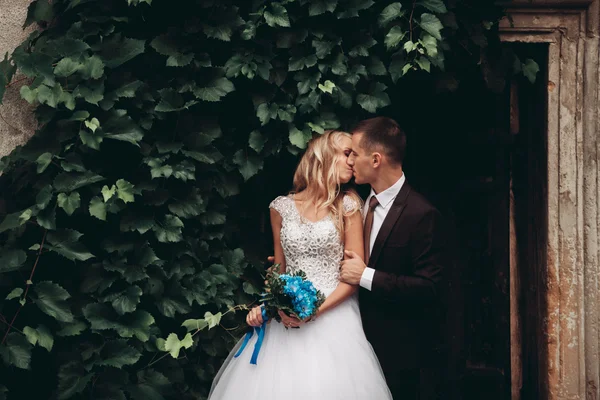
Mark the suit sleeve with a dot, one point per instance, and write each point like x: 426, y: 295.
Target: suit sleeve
x: 427, y: 253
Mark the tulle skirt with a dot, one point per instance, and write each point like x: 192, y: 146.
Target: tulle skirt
x: 329, y: 358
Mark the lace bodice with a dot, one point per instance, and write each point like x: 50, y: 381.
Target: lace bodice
x: 313, y: 247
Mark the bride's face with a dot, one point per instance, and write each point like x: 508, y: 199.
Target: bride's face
x: 344, y: 150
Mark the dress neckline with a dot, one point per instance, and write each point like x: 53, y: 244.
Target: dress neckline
x: 302, y: 217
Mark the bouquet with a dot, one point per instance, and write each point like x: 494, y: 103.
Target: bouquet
x: 291, y: 293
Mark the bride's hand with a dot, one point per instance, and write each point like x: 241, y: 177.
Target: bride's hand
x: 254, y: 317
x: 291, y: 322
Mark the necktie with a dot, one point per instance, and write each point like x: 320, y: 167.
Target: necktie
x: 373, y: 202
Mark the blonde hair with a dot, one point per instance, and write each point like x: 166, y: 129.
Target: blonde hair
x: 317, y: 175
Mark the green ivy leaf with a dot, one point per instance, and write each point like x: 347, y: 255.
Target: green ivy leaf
x: 323, y: 48
x: 47, y: 218
x: 530, y: 69
x: 72, y: 329
x: 170, y: 101
x: 318, y: 7
x: 66, y: 244
x: 212, y: 320
x: 299, y: 138
x: 15, y: 294
x: 169, y: 230
x: 92, y: 68
x: 215, y: 90
x: 72, y: 380
x: 256, y: 141
x: 377, y: 98
x: 38, y: 11
x: 394, y: 37
x: 278, y: 16
x: 51, y: 300
x: 351, y: 10
x: 248, y: 162
x: 376, y: 67
x: 126, y: 301
x: 180, y: 60
x: 170, y: 307
x: 12, y: 260
x: 103, y: 317
x: 436, y: 6
x: 390, y: 13
x: 91, y: 91
x: 92, y: 124
x: 250, y: 289
x: 194, y: 324
x: 423, y: 63
x: 90, y: 140
x: 213, y: 218
x: 299, y: 63
x: 15, y: 220
x: 67, y: 67
x: 40, y: 336
x: 189, y: 207
x: 16, y: 351
x: 69, y: 203
x: 117, y: 354
x: 125, y: 191
x: 432, y: 25
x: 97, y: 208
x: 266, y: 112
x: 117, y: 50
x: 327, y: 87
x: 173, y: 345
x: 108, y: 193
x: 68, y: 182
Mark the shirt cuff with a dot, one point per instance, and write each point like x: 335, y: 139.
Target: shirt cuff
x: 366, y: 280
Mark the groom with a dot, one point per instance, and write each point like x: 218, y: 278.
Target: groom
x: 401, y: 279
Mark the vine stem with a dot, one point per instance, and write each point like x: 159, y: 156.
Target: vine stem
x: 410, y: 20
x: 232, y: 309
x: 17, y: 81
x: 28, y: 285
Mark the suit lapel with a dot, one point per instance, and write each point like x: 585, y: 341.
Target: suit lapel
x: 393, y: 215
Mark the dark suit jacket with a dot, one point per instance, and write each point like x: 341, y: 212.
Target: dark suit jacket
x: 403, y: 313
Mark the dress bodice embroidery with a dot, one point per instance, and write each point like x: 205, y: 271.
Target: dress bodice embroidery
x: 314, y: 247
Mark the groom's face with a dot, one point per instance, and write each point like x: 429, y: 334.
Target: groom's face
x: 360, y: 161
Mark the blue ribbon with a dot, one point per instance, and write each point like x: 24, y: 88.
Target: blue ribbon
x: 260, y: 331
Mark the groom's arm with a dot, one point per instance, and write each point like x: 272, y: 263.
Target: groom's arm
x: 428, y: 256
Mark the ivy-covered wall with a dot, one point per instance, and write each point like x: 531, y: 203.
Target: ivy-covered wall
x: 124, y: 239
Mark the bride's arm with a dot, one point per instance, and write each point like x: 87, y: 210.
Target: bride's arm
x: 276, y: 227
x: 353, y: 241
x: 254, y: 317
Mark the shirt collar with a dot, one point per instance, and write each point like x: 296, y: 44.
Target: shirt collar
x: 388, y: 195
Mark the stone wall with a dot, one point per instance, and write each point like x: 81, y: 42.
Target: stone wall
x: 16, y: 121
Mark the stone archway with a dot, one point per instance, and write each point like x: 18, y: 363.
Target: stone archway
x: 568, y: 335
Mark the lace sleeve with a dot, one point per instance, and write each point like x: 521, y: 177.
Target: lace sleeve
x: 282, y: 205
x: 351, y: 204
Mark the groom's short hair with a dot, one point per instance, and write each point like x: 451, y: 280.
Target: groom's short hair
x: 383, y: 134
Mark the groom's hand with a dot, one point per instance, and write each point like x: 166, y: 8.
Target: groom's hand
x: 352, y: 268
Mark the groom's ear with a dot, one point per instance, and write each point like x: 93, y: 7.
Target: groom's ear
x: 376, y: 160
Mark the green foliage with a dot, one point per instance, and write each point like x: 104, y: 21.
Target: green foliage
x: 152, y: 118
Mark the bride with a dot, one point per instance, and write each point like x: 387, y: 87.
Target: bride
x: 328, y: 357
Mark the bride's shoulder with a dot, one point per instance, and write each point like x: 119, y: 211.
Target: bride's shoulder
x: 281, y: 204
x: 352, y: 202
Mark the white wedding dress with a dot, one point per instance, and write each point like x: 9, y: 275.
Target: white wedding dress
x: 328, y: 358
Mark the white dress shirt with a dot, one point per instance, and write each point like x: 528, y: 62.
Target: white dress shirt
x: 385, y: 199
